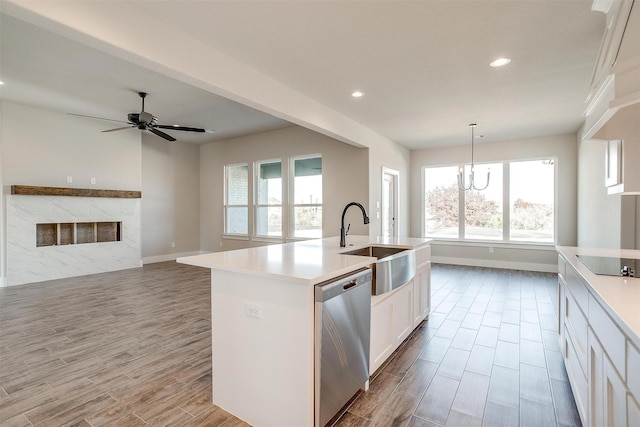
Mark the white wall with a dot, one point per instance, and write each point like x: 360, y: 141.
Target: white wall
x: 345, y: 175
x: 561, y: 147
x: 397, y: 157
x: 170, y: 199
x: 43, y: 148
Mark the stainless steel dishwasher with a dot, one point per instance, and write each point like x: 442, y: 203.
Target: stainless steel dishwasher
x: 343, y: 327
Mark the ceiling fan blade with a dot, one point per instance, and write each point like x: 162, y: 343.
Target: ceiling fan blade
x: 189, y: 129
x: 161, y: 134
x: 97, y: 118
x: 124, y: 127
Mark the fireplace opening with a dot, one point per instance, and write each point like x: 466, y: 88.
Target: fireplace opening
x: 76, y: 233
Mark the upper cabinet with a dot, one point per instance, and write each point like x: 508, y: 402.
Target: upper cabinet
x: 613, y: 111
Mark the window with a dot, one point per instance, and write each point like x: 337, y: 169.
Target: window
x: 518, y: 204
x: 236, y: 199
x: 268, y: 204
x: 532, y: 200
x: 307, y: 197
x: 442, y: 206
x: 483, y: 209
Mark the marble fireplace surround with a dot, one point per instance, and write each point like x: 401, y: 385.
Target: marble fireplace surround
x: 28, y: 206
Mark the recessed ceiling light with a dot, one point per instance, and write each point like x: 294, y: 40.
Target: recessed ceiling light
x: 357, y: 94
x: 500, y: 62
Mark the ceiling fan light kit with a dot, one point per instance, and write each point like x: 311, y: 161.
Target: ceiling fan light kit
x: 471, y: 185
x: 146, y: 121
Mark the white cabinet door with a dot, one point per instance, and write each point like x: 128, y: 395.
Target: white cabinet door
x: 615, y: 396
x: 421, y: 293
x: 382, y: 333
x: 596, y: 381
x: 403, y: 322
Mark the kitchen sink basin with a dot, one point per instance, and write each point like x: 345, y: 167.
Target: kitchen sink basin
x: 394, y: 266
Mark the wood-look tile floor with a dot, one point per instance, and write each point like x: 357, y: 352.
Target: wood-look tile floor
x: 487, y: 356
x: 133, y: 348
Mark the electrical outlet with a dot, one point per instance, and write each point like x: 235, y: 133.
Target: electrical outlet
x: 93, y: 181
x: 253, y: 310
x: 490, y: 250
x: 69, y: 179
x: 173, y: 244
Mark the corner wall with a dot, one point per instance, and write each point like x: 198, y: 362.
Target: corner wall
x: 170, y: 199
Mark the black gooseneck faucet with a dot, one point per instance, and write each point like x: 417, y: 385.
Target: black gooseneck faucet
x: 343, y: 232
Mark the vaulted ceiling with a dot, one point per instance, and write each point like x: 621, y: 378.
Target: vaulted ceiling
x: 423, y: 65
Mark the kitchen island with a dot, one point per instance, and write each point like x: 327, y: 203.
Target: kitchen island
x: 263, y: 321
x: 599, y: 329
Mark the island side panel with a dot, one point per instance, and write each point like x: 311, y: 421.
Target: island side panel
x: 263, y: 368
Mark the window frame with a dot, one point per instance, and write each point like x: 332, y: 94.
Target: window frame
x: 257, y: 205
x: 293, y: 205
x: 506, y: 205
x: 226, y: 203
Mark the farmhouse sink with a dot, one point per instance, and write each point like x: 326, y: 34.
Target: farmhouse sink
x: 394, y: 266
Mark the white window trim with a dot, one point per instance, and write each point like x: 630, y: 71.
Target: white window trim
x: 506, y: 204
x: 292, y: 205
x: 256, y: 177
x: 225, y: 232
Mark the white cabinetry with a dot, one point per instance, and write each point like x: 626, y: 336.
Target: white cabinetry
x: 602, y: 363
x: 394, y: 315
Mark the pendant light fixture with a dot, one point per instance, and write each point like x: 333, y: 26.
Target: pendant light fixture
x: 471, y: 185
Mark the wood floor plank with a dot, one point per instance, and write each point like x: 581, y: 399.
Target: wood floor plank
x: 504, y: 386
x: 500, y: 415
x: 436, y: 402
x: 471, y: 396
x: 534, y: 384
x: 481, y: 360
x: 418, y: 378
x: 368, y: 403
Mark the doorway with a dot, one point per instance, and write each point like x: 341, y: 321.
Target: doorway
x: 389, y: 205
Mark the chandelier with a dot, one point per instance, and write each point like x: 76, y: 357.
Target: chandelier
x: 471, y: 185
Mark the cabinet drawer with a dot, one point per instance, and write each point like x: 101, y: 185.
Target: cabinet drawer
x: 578, y: 289
x: 612, y: 339
x: 578, y: 328
x: 577, y: 379
x: 633, y: 370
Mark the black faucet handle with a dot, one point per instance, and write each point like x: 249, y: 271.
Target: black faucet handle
x: 347, y: 231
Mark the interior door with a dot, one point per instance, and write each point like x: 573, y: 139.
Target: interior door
x: 389, y: 208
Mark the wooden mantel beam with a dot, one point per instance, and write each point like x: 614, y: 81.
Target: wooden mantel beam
x: 28, y: 190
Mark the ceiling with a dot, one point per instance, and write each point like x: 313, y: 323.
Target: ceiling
x: 423, y: 66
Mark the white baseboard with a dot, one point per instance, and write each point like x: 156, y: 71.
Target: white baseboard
x: 506, y: 265
x: 169, y: 257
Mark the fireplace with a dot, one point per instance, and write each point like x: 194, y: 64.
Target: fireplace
x: 57, y: 236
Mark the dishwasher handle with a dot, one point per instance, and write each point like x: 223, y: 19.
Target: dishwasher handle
x: 350, y: 285
x: 337, y: 286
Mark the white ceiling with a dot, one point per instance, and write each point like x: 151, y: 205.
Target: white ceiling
x: 423, y: 66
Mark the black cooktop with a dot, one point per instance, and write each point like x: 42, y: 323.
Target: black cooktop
x: 610, y: 266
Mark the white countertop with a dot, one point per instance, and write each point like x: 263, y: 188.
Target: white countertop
x: 619, y: 295
x: 309, y: 261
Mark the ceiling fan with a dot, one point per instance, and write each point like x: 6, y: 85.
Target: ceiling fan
x: 145, y: 121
